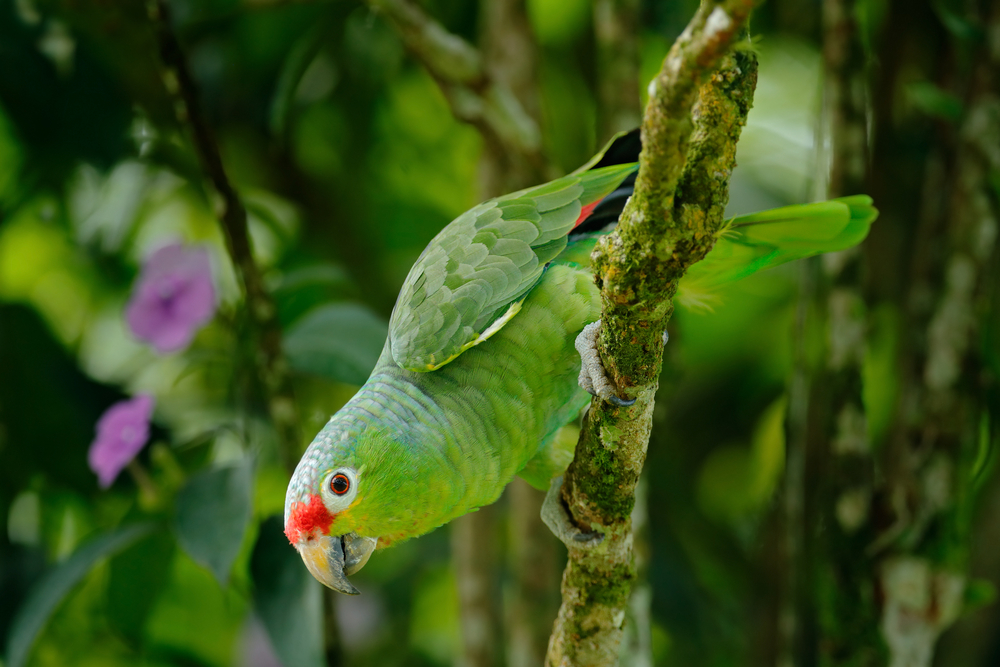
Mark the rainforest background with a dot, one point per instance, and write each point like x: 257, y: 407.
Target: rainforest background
x: 821, y: 486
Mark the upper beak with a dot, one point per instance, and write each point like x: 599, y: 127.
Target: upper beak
x: 330, y: 558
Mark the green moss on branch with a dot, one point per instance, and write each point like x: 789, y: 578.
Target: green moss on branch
x: 698, y: 106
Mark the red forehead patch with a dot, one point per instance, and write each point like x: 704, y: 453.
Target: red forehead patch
x: 304, y: 519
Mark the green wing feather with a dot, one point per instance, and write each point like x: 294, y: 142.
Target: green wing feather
x: 750, y: 243
x: 473, y: 276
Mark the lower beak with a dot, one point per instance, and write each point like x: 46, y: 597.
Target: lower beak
x: 331, y: 558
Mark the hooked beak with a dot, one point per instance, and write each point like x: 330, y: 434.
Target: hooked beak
x: 331, y: 558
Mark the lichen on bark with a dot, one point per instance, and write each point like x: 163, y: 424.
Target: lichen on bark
x: 698, y: 105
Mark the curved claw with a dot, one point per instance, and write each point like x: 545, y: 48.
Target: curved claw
x: 555, y: 516
x: 593, y: 378
x: 620, y: 402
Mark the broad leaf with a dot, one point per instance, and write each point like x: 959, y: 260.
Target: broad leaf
x: 213, y: 512
x: 136, y: 578
x: 54, y: 587
x: 288, y: 600
x: 340, y: 341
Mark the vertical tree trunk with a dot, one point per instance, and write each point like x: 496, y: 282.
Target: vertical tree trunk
x: 896, y: 414
x: 836, y: 461
x: 475, y: 554
x: 616, y: 29
x: 534, y: 571
x: 509, y: 58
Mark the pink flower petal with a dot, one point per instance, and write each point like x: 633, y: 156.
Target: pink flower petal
x: 122, y: 432
x: 172, y: 298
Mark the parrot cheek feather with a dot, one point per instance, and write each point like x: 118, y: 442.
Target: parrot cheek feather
x: 305, y: 519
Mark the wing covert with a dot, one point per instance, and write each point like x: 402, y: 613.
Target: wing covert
x: 473, y: 276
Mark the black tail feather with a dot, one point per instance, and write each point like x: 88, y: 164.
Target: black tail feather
x: 624, y: 150
x: 607, y: 212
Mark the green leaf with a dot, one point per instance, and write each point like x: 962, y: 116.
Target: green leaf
x: 959, y: 26
x: 300, y: 290
x: 767, y: 453
x: 213, y: 512
x: 54, y: 587
x: 136, y: 578
x: 558, y: 21
x: 324, y: 275
x: 933, y: 101
x: 294, y: 69
x: 979, y: 593
x: 880, y: 373
x: 340, y: 341
x: 288, y: 600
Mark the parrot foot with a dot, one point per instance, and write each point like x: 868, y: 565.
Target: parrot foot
x: 593, y: 378
x: 556, y: 517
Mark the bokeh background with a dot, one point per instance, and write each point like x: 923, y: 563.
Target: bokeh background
x: 349, y: 160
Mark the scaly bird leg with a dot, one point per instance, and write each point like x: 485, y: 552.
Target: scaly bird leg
x: 593, y: 377
x: 556, y: 517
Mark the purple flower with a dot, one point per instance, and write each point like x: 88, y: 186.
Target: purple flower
x: 122, y: 432
x: 172, y: 298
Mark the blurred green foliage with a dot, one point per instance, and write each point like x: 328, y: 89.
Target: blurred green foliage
x: 349, y: 162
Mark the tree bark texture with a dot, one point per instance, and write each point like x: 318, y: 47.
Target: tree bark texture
x: 892, y: 477
x: 689, y: 135
x: 534, y: 573
x: 830, y: 449
x: 475, y: 556
x: 616, y: 31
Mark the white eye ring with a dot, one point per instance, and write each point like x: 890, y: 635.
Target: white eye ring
x: 339, y: 489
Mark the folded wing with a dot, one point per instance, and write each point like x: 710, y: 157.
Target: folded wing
x: 473, y: 276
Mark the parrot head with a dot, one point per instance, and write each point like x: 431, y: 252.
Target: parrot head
x: 351, y: 492
x: 317, y: 508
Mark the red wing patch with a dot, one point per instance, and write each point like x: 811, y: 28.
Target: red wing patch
x: 305, y: 519
x: 585, y: 212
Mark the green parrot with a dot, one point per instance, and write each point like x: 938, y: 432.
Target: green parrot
x: 480, y: 371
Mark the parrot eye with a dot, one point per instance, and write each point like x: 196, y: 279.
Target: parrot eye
x: 339, y: 489
x: 340, y: 484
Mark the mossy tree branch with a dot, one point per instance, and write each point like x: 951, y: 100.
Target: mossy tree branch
x: 697, y: 108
